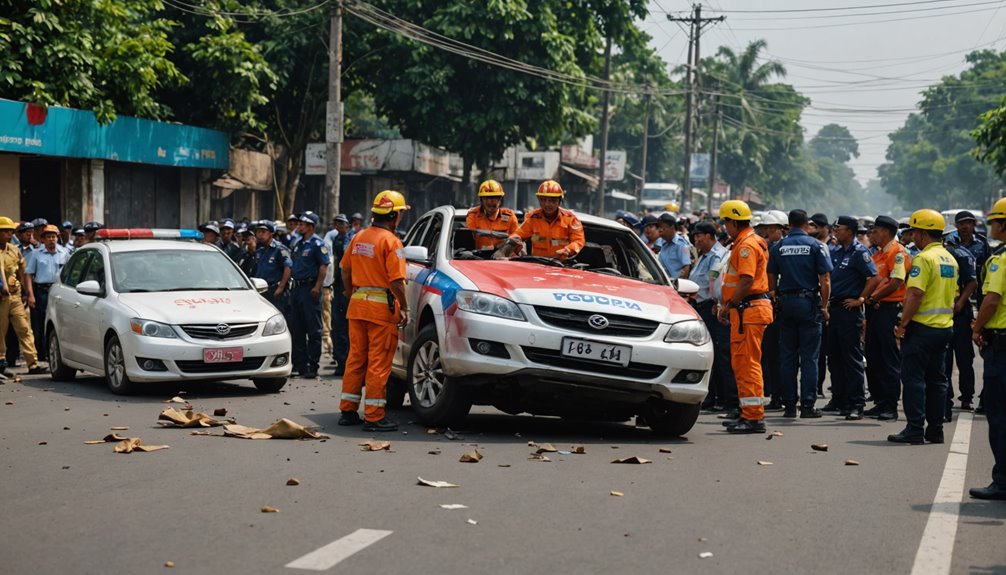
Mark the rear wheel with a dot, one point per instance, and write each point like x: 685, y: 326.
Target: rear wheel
x: 115, y: 368
x: 269, y: 384
x: 671, y: 419
x: 436, y: 398
x: 58, y: 370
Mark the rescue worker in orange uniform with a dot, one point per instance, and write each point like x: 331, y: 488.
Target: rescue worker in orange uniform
x: 554, y: 232
x: 746, y: 305
x: 489, y: 216
x: 373, y: 273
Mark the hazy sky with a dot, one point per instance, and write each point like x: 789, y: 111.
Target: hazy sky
x: 863, y: 68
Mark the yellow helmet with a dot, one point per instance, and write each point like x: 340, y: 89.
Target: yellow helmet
x: 998, y: 211
x: 490, y: 188
x: 388, y: 201
x: 926, y: 219
x: 550, y: 189
x: 735, y: 210
x: 672, y: 207
x: 7, y: 223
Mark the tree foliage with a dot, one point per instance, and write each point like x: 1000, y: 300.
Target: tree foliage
x: 834, y: 142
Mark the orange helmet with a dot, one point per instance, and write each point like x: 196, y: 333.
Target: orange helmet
x: 550, y: 189
x: 490, y: 188
x: 388, y: 201
x: 50, y: 229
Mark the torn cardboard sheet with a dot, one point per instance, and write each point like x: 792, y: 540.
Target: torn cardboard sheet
x: 172, y: 417
x: 282, y: 429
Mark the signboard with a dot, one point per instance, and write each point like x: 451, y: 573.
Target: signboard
x: 614, y: 165
x: 537, y: 165
x: 700, y: 167
x: 30, y: 129
x: 574, y: 155
x: 315, y: 159
x: 370, y: 156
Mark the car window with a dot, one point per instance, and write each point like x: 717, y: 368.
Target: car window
x: 432, y: 236
x: 416, y: 232
x: 70, y: 275
x: 95, y: 269
x: 175, y: 270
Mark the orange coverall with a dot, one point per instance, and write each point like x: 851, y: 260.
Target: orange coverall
x: 477, y: 219
x: 375, y: 259
x: 748, y: 258
x: 565, y: 231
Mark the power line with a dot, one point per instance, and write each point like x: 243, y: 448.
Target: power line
x: 911, y: 11
x: 838, y: 8
x: 861, y: 23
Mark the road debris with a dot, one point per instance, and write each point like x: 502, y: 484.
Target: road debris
x: 503, y: 465
x: 546, y: 448
x: 169, y: 564
x: 175, y: 399
x: 578, y: 450
x: 777, y: 433
x: 765, y: 463
x: 8, y: 402
x: 617, y: 494
x: 431, y: 431
x: 434, y: 452
x: 110, y: 438
x: 220, y: 412
x: 664, y: 450
x: 472, y: 521
x: 119, y: 428
x: 705, y: 555
x: 269, y: 509
x: 633, y: 460
x: 538, y: 457
x: 851, y: 462
x: 293, y: 481
x: 172, y: 417
x: 438, y: 484
x: 282, y: 429
x: 449, y: 434
x: 453, y: 506
x: 819, y: 446
x: 43, y: 443
x: 132, y: 444
x: 375, y: 445
x: 471, y: 457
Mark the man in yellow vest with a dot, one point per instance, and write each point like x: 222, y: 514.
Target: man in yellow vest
x: 989, y: 332
x: 925, y: 331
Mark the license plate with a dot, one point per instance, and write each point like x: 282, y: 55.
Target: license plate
x: 606, y: 352
x: 223, y: 355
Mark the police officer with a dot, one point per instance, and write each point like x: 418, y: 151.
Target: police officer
x: 722, y: 387
x: 24, y: 238
x: 227, y: 241
x: 961, y: 347
x: 79, y: 239
x: 749, y: 310
x: 273, y: 264
x: 12, y: 310
x: 310, y: 264
x: 339, y: 329
x: 43, y: 270
x: 801, y: 294
x: 90, y: 228
x: 211, y: 232
x: 883, y: 357
x: 292, y: 230
x: 355, y: 226
x: 771, y: 226
x: 989, y: 332
x: 248, y: 257
x: 373, y: 270
x: 490, y: 216
x: 674, y: 255
x: 554, y: 231
x: 65, y: 238
x: 651, y: 233
x: 853, y: 278
x: 925, y: 330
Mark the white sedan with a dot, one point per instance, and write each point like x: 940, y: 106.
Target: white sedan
x: 154, y: 310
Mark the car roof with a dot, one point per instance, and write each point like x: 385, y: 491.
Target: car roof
x: 117, y: 246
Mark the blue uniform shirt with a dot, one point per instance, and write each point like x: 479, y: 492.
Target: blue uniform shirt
x: 271, y: 259
x: 798, y: 260
x: 966, y: 265
x: 853, y: 266
x: 44, y: 266
x: 675, y: 256
x: 308, y: 257
x: 707, y: 265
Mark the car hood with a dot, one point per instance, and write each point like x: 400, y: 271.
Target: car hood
x: 187, y: 307
x: 540, y: 285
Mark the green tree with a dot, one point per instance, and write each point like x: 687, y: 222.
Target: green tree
x: 835, y: 142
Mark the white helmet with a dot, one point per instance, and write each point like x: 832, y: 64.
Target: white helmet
x: 774, y: 218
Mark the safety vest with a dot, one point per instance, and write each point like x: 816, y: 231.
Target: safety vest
x: 893, y: 262
x: 934, y: 271
x: 995, y: 282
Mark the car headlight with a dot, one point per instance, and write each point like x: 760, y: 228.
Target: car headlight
x: 275, y: 326
x: 488, y: 304
x: 151, y: 328
x: 690, y: 331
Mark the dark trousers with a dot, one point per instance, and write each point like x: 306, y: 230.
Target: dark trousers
x: 770, y: 361
x: 340, y: 328
x: 883, y: 358
x: 305, y: 329
x: 822, y: 360
x: 722, y: 385
x: 845, y: 357
x: 923, y: 359
x: 799, y: 324
x: 281, y: 303
x: 38, y: 323
x: 994, y: 391
x: 13, y: 347
x: 961, y: 347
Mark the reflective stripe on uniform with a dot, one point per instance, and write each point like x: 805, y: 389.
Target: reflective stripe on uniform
x: 376, y: 402
x: 352, y: 397
x: 379, y: 295
x: 751, y: 401
x: 936, y: 311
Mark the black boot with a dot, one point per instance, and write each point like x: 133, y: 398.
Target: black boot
x: 747, y: 426
x: 350, y: 418
x: 382, y: 425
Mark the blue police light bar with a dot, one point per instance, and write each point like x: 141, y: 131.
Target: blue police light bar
x: 148, y: 234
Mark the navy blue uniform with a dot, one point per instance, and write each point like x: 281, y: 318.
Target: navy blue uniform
x: 961, y: 345
x: 270, y: 262
x: 340, y: 305
x: 853, y: 267
x: 799, y: 260
x: 309, y: 255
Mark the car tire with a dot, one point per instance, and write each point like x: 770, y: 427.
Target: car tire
x: 395, y: 393
x: 269, y: 384
x: 671, y: 419
x: 437, y: 399
x: 58, y: 370
x: 115, y: 368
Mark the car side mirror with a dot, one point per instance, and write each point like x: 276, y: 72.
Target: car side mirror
x: 90, y: 287
x: 686, y: 287
x: 260, y: 284
x: 417, y: 255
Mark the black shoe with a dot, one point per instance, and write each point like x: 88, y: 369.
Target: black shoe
x: 830, y: 408
x: 904, y: 436
x: 855, y: 414
x: 810, y: 413
x: 382, y: 425
x: 934, y: 437
x: 993, y: 491
x: 747, y: 426
x: 966, y: 405
x: 888, y: 416
x: 947, y: 418
x: 774, y: 405
x: 790, y: 411
x: 309, y: 375
x: 844, y: 411
x: 873, y: 411
x: 350, y: 418
x: 980, y: 410
x: 730, y: 416
x: 37, y: 370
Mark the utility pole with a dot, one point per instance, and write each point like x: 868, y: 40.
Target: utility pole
x: 714, y: 153
x: 646, y: 137
x: 696, y: 24
x: 333, y: 118
x: 605, y: 99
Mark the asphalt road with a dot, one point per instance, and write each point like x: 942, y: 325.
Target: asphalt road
x: 68, y: 507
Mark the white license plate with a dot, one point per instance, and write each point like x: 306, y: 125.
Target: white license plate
x: 606, y: 352
x: 223, y: 355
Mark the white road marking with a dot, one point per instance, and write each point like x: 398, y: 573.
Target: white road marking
x: 936, y: 550
x: 324, y: 558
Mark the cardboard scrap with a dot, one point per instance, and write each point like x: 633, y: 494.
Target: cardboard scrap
x: 546, y: 448
x: 819, y: 446
x: 471, y: 457
x: 438, y: 484
x: 269, y: 509
x: 293, y: 481
x: 175, y: 399
x: 220, y: 412
x: 119, y: 428
x: 617, y: 494
x: 634, y: 460
x: 578, y: 449
x: 172, y: 417
x: 282, y: 429
x: 472, y: 522
x: 132, y: 444
x: 705, y: 555
x: 764, y: 463
x: 453, y: 506
x: 664, y: 450
x: 110, y: 438
x: 538, y: 457
x: 851, y: 462
x: 375, y: 445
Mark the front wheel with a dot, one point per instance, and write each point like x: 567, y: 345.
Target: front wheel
x: 671, y: 419
x: 115, y: 368
x: 437, y: 399
x: 269, y: 384
x: 58, y: 370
